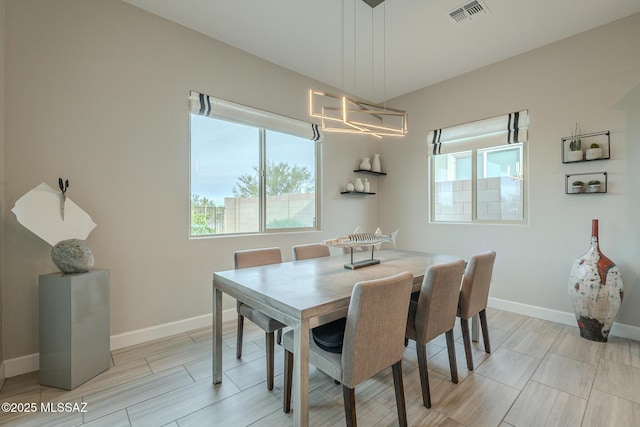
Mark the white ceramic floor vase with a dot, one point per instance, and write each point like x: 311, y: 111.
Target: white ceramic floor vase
x: 595, y: 287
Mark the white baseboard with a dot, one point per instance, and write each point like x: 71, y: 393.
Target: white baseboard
x: 167, y: 329
x: 618, y: 329
x: 31, y: 362
x: 22, y: 365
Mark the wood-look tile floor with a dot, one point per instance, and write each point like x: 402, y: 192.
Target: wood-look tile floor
x: 539, y: 374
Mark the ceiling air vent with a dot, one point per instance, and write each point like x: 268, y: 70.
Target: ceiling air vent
x: 468, y: 11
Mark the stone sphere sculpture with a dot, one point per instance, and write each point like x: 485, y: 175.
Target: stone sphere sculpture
x: 72, y: 256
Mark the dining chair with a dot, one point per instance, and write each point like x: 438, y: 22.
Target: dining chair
x: 330, y: 335
x: 474, y: 294
x: 373, y: 341
x: 255, y: 258
x: 433, y: 314
x: 312, y: 250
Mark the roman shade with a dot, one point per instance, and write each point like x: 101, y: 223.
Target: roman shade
x: 217, y: 108
x: 509, y: 128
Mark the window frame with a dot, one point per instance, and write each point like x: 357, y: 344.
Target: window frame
x: 474, y: 139
x: 262, y: 180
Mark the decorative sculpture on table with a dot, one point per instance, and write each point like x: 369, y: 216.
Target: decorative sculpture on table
x: 359, y: 240
x: 52, y: 216
x: 595, y: 287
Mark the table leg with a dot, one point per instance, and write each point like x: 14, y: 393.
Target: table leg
x: 301, y: 374
x: 474, y: 328
x: 217, y: 336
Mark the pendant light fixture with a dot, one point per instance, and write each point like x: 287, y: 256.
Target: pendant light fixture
x: 347, y: 114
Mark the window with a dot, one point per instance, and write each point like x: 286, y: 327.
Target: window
x: 246, y: 178
x: 477, y: 171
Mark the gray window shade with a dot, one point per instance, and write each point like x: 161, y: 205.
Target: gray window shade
x: 510, y: 128
x: 209, y: 106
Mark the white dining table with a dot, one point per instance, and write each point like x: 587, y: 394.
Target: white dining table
x: 305, y: 294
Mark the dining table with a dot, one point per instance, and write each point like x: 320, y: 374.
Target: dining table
x: 305, y: 294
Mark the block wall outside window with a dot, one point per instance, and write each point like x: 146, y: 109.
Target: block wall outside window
x: 498, y: 199
x: 241, y: 214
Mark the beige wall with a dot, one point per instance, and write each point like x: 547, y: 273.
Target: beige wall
x: 97, y: 92
x: 593, y: 79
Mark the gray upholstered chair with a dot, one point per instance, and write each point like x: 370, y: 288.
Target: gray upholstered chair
x: 373, y: 341
x: 434, y: 314
x: 474, y: 294
x: 254, y: 258
x: 312, y: 250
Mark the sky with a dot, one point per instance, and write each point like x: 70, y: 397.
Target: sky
x: 222, y: 151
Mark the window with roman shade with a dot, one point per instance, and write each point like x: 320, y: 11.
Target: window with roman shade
x: 252, y: 171
x: 478, y: 170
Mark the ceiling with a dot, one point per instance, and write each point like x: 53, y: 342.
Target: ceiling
x: 390, y: 50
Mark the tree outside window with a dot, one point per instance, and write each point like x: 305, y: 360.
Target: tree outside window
x: 246, y: 179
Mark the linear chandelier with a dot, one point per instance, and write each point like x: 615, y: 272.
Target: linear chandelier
x: 349, y: 115
x: 342, y: 113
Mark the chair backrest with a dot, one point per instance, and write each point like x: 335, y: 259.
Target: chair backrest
x: 438, y: 300
x: 376, y: 320
x: 312, y: 250
x: 475, y: 284
x: 256, y: 257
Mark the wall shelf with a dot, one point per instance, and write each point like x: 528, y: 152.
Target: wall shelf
x: 357, y: 193
x: 585, y: 178
x: 368, y: 172
x: 603, y: 139
x: 363, y: 193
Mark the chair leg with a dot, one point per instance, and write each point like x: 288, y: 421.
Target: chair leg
x: 349, y: 396
x: 399, y: 386
x: 288, y: 379
x: 424, y: 375
x: 451, y: 349
x: 239, y: 336
x: 485, y: 330
x: 270, y: 350
x: 279, y: 337
x: 466, y: 338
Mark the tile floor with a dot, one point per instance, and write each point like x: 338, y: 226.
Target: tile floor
x: 539, y: 374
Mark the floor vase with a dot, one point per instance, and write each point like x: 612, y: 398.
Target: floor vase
x: 595, y: 287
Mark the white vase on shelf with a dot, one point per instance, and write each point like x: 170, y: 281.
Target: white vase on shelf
x: 367, y: 186
x: 593, y: 153
x: 365, y: 164
x: 375, y: 166
x: 349, y: 186
x: 359, y: 185
x: 574, y: 156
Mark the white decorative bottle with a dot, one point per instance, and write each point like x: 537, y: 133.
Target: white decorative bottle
x: 365, y: 164
x: 359, y: 186
x: 367, y: 186
x: 375, y: 166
